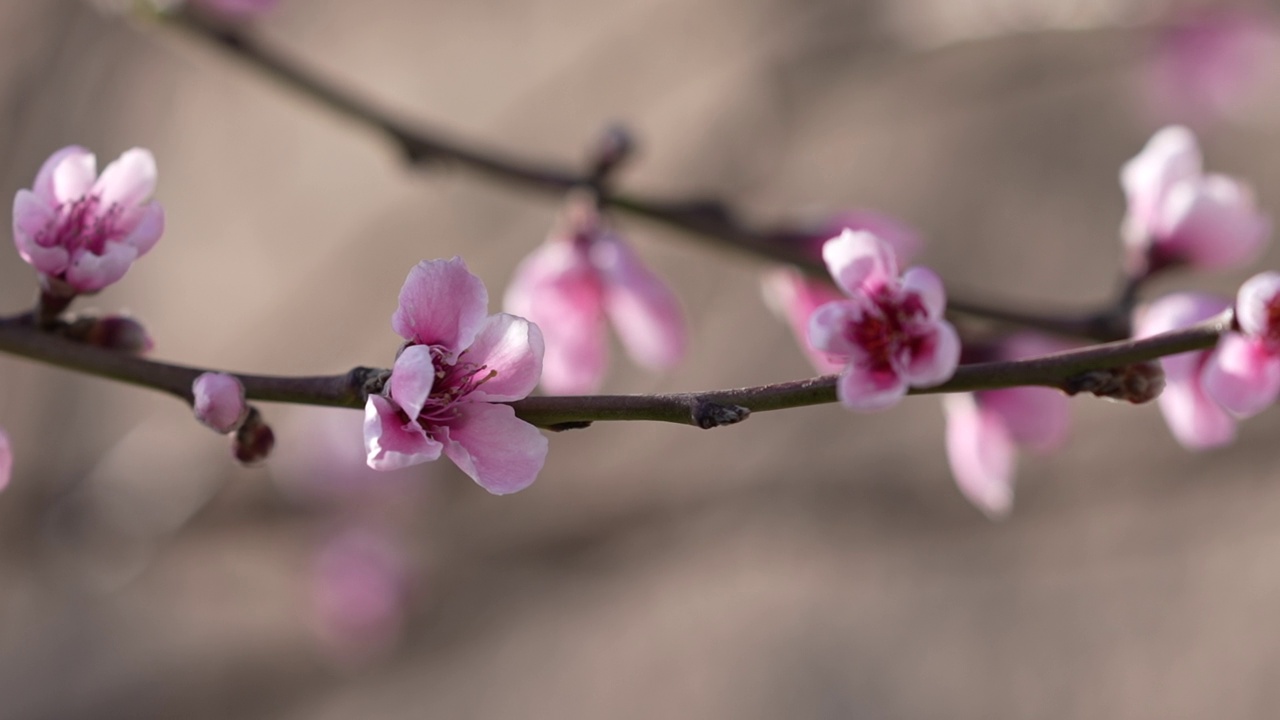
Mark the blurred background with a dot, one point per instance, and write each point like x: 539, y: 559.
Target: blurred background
x: 810, y: 563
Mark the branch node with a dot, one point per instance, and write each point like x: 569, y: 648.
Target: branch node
x: 1138, y: 383
x: 707, y: 414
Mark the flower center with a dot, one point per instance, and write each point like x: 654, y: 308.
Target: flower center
x: 83, y: 225
x: 452, y: 385
x: 1271, y: 336
x: 884, y: 331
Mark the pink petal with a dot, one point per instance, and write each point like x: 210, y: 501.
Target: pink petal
x: 858, y: 258
x: 502, y: 453
x: 390, y: 443
x: 644, y: 311
x: 1196, y: 422
x: 218, y: 400
x: 441, y: 304
x: 6, y: 460
x: 1173, y: 312
x: 935, y: 358
x: 67, y: 175
x: 865, y: 389
x: 904, y: 240
x: 557, y: 289
x: 1254, y: 303
x: 30, y: 216
x: 412, y: 378
x: 513, y: 348
x: 1038, y: 418
x: 128, y: 180
x: 925, y: 285
x: 90, y: 273
x: 794, y: 297
x: 148, y: 226
x: 1242, y: 376
x: 828, y: 326
x: 1212, y: 223
x: 1170, y: 156
x: 981, y: 454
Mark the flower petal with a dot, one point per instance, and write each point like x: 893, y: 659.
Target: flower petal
x: 1197, y: 422
x: 90, y: 273
x: 502, y: 453
x: 389, y: 442
x: 829, y: 325
x: 147, y: 227
x: 923, y: 284
x: 218, y: 401
x: 1172, y: 155
x: 868, y: 389
x: 904, y: 240
x: 981, y: 453
x: 30, y: 216
x: 794, y: 296
x: 934, y: 357
x: 441, y: 304
x: 1242, y: 376
x: 644, y: 311
x: 1039, y: 418
x: 128, y: 180
x: 412, y: 378
x: 66, y: 176
x: 1212, y: 223
x: 857, y: 258
x: 512, y: 347
x: 6, y: 460
x: 1254, y: 303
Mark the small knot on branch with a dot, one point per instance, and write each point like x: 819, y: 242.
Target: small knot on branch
x: 708, y: 414
x: 571, y: 425
x: 1138, y: 383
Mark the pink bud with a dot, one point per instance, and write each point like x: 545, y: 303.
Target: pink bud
x: 82, y: 230
x: 254, y: 440
x: 1243, y: 373
x: 218, y: 400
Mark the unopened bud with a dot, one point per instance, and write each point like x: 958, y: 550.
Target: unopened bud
x: 1138, y: 383
x: 114, y: 332
x: 218, y: 401
x: 254, y: 440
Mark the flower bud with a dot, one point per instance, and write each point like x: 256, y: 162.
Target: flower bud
x: 114, y: 332
x: 254, y: 440
x: 218, y: 400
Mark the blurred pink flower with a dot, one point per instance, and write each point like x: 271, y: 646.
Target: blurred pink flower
x: 1243, y: 373
x: 904, y: 240
x: 82, y: 230
x: 218, y: 400
x: 447, y: 383
x: 580, y: 276
x: 1177, y: 214
x: 1209, y: 62
x: 889, y: 330
x: 1197, y: 421
x: 6, y: 460
x: 236, y: 9
x: 360, y: 588
x: 984, y: 429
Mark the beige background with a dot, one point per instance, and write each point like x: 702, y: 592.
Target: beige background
x: 805, y: 564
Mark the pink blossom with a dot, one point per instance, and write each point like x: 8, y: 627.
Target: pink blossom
x: 577, y: 279
x: 218, y: 400
x: 236, y: 9
x: 904, y: 240
x: 360, y: 594
x: 6, y: 460
x: 82, y: 230
x: 446, y: 387
x: 1243, y: 373
x: 1178, y: 214
x: 1197, y: 421
x: 890, y: 331
x: 984, y: 429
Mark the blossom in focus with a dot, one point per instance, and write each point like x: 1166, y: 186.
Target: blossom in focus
x: 447, y: 384
x: 583, y: 275
x: 1197, y: 421
x: 1178, y: 214
x: 82, y: 230
x: 889, y: 330
x: 985, y: 429
x: 1243, y: 373
x: 218, y: 400
x: 360, y: 589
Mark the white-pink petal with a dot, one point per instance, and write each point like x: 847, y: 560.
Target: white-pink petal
x: 925, y: 285
x: 1038, y: 418
x: 1255, y: 302
x: 412, y: 378
x: 6, y: 460
x: 511, y: 347
x: 30, y: 216
x: 1172, y: 155
x: 218, y: 401
x: 391, y: 443
x: 128, y: 180
x: 441, y: 304
x: 644, y: 312
x: 1242, y: 376
x: 794, y: 296
x: 501, y: 452
x: 859, y: 261
x: 72, y: 176
x: 43, y: 187
x: 1212, y: 223
x: 147, y: 229
x: 1196, y: 421
x: 935, y: 359
x: 829, y: 323
x: 981, y: 453
x: 867, y: 389
x: 90, y: 273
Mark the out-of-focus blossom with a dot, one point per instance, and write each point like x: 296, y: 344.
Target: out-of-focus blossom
x: 984, y: 429
x: 6, y: 459
x: 1197, y: 421
x: 82, y: 230
x: 1243, y: 373
x: 445, y: 388
x: 582, y: 275
x: 360, y: 589
x: 1177, y: 214
x: 793, y: 295
x: 889, y: 331
x: 218, y: 400
x: 1209, y: 63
